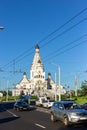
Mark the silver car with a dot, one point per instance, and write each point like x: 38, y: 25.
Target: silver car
x: 68, y: 112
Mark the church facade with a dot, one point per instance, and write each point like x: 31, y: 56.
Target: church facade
x: 37, y: 84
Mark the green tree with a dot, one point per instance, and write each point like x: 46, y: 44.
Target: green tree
x: 4, y: 93
x: 84, y: 88
x: 9, y: 93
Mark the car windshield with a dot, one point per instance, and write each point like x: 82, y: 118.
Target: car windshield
x: 51, y: 100
x: 19, y: 102
x: 71, y: 106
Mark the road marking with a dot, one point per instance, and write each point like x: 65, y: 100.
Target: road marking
x: 11, y: 113
x: 40, y: 125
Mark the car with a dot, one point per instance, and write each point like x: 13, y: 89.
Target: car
x: 21, y: 105
x: 69, y: 112
x: 40, y: 100
x: 48, y: 103
x: 84, y: 106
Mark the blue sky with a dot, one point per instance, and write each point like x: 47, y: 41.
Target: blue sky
x: 28, y: 22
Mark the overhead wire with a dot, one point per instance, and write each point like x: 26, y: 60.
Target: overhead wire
x: 67, y: 49
x: 68, y: 21
x: 17, y: 58
x: 63, y: 51
x: 62, y: 33
x: 57, y: 36
x: 24, y: 54
x: 45, y: 44
x: 65, y: 46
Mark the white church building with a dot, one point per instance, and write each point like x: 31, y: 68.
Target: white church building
x: 38, y: 84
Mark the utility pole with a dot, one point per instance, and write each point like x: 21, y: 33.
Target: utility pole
x: 58, y: 80
x: 59, y: 83
x: 13, y: 66
x: 75, y: 82
x: 7, y: 91
x: 55, y: 89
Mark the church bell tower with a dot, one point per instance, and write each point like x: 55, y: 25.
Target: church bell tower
x: 37, y: 69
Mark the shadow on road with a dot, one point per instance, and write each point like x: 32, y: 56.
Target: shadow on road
x: 6, y: 106
x: 5, y: 120
x: 32, y: 108
x: 75, y: 127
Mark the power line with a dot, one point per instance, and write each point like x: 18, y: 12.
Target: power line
x: 24, y: 53
x: 63, y: 51
x: 65, y: 31
x: 56, y: 37
x: 65, y: 46
x: 63, y: 25
x: 17, y: 58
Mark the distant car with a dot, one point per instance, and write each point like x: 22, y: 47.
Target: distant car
x: 40, y: 101
x: 84, y: 106
x: 68, y: 112
x: 48, y: 103
x: 21, y: 105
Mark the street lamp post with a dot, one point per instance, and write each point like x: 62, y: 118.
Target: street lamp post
x: 7, y: 91
x: 58, y: 82
x: 75, y: 82
x: 55, y: 89
x: 1, y: 27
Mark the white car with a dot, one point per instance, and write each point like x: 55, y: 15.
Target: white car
x: 40, y: 101
x: 48, y: 103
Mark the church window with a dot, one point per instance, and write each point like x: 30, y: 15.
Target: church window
x: 39, y: 61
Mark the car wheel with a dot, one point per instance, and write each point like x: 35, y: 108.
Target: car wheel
x: 53, y: 117
x: 14, y: 108
x: 66, y: 121
x: 17, y: 109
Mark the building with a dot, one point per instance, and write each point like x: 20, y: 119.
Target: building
x: 1, y: 94
x: 37, y: 84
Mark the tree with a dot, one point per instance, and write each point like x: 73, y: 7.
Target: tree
x: 4, y: 93
x: 9, y: 93
x: 84, y: 88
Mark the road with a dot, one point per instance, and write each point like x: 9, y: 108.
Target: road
x: 35, y: 119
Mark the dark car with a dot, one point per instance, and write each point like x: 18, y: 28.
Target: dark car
x: 84, y: 106
x: 69, y: 112
x: 21, y: 105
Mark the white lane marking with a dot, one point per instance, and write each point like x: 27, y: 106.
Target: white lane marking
x: 11, y: 113
x: 40, y: 125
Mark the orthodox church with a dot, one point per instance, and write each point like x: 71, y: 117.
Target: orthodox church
x: 37, y: 84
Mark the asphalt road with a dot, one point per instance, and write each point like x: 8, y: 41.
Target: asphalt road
x: 34, y: 119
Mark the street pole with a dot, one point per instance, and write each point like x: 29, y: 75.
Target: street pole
x: 59, y: 83
x: 59, y: 74
x: 7, y: 91
x: 55, y: 89
x: 75, y: 86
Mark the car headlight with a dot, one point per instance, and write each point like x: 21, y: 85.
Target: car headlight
x: 73, y: 114
x: 74, y: 117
